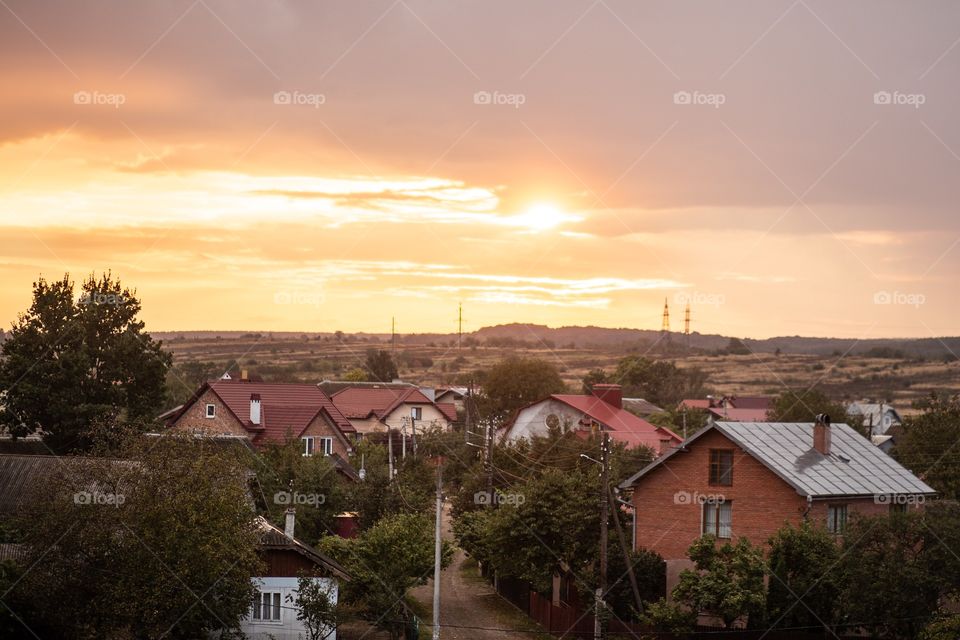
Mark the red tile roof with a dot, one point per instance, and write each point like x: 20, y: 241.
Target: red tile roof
x: 448, y: 409
x: 736, y: 414
x: 622, y: 425
x: 364, y: 402
x: 283, y: 407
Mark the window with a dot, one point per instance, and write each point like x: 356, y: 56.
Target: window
x: 266, y: 606
x: 211, y: 411
x: 718, y: 518
x: 721, y: 467
x: 898, y: 507
x: 416, y: 413
x: 836, y: 518
x: 326, y: 445
x: 308, y: 445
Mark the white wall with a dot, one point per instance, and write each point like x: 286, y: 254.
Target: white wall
x: 533, y: 420
x: 288, y: 627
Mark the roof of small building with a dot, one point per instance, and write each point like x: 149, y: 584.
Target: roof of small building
x: 854, y: 467
x: 273, y: 538
x: 640, y: 406
x: 735, y: 414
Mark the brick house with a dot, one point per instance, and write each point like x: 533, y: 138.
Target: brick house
x: 587, y: 414
x: 266, y: 412
x: 747, y: 479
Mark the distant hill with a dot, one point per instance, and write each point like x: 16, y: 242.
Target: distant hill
x: 603, y: 337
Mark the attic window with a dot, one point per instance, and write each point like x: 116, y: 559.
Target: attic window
x: 721, y: 467
x: 211, y: 411
x: 416, y: 413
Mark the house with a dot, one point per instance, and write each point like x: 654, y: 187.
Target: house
x: 602, y: 410
x: 641, y: 407
x: 746, y: 479
x: 456, y: 395
x: 375, y: 408
x: 732, y: 408
x: 878, y: 416
x: 273, y: 613
x: 267, y: 412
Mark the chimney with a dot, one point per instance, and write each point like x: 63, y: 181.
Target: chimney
x: 290, y: 522
x: 821, y: 434
x: 243, y: 374
x: 255, y: 408
x: 612, y: 394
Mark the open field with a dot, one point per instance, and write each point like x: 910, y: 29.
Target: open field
x: 315, y: 358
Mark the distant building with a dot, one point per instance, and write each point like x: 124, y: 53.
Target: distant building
x: 377, y: 408
x: 586, y: 414
x: 732, y: 408
x: 640, y: 407
x: 878, y: 417
x: 746, y: 479
x: 455, y: 395
x: 267, y: 412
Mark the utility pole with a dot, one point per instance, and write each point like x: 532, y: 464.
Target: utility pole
x: 460, y: 327
x: 626, y: 552
x: 468, y: 422
x: 393, y: 334
x: 598, y: 630
x: 488, y: 458
x: 437, y: 547
x: 390, y: 450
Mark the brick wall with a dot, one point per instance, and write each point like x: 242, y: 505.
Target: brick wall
x: 194, y: 420
x: 321, y: 426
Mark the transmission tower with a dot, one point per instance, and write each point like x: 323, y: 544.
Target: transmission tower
x: 686, y: 323
x: 460, y: 327
x: 665, y: 328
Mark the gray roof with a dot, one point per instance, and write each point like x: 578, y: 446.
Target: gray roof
x: 855, y: 467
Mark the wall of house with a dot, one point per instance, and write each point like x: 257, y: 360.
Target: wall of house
x: 322, y: 426
x: 367, y: 425
x: 288, y: 627
x: 532, y: 420
x: 431, y: 415
x: 194, y: 419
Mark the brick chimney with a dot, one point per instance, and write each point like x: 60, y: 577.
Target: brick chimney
x: 821, y: 434
x: 255, y: 408
x: 290, y: 522
x: 612, y: 394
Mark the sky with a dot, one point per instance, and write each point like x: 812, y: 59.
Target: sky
x: 783, y: 167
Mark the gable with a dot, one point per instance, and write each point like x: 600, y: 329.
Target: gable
x: 193, y: 418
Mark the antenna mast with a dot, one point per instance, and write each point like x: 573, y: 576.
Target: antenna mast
x: 460, y: 327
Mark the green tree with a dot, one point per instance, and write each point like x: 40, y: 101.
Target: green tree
x: 314, y: 607
x: 356, y: 375
x: 156, y: 538
x: 71, y: 362
x: 380, y: 366
x: 803, y: 586
x: 928, y: 442
x: 737, y: 348
x: 384, y: 562
x: 515, y: 382
x: 727, y: 580
x: 659, y: 381
x: 804, y: 405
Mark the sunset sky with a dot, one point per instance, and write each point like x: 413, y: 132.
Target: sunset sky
x: 790, y: 167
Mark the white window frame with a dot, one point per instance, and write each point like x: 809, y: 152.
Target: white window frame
x: 836, y: 518
x: 210, y: 411
x: 309, y: 445
x: 416, y: 413
x: 326, y: 445
x: 274, y: 602
x: 717, y: 528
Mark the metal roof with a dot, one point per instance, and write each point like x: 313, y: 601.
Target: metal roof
x: 855, y: 467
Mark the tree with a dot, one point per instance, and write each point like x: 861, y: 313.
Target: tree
x: 804, y: 405
x: 380, y: 366
x: 659, y: 381
x: 727, y: 580
x: 515, y: 382
x: 314, y: 608
x: 145, y: 539
x: 72, y: 362
x: 356, y: 375
x: 928, y: 442
x: 737, y: 348
x: 803, y: 587
x: 384, y: 562
x: 892, y: 586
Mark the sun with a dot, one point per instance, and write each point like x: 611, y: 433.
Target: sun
x: 542, y: 216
